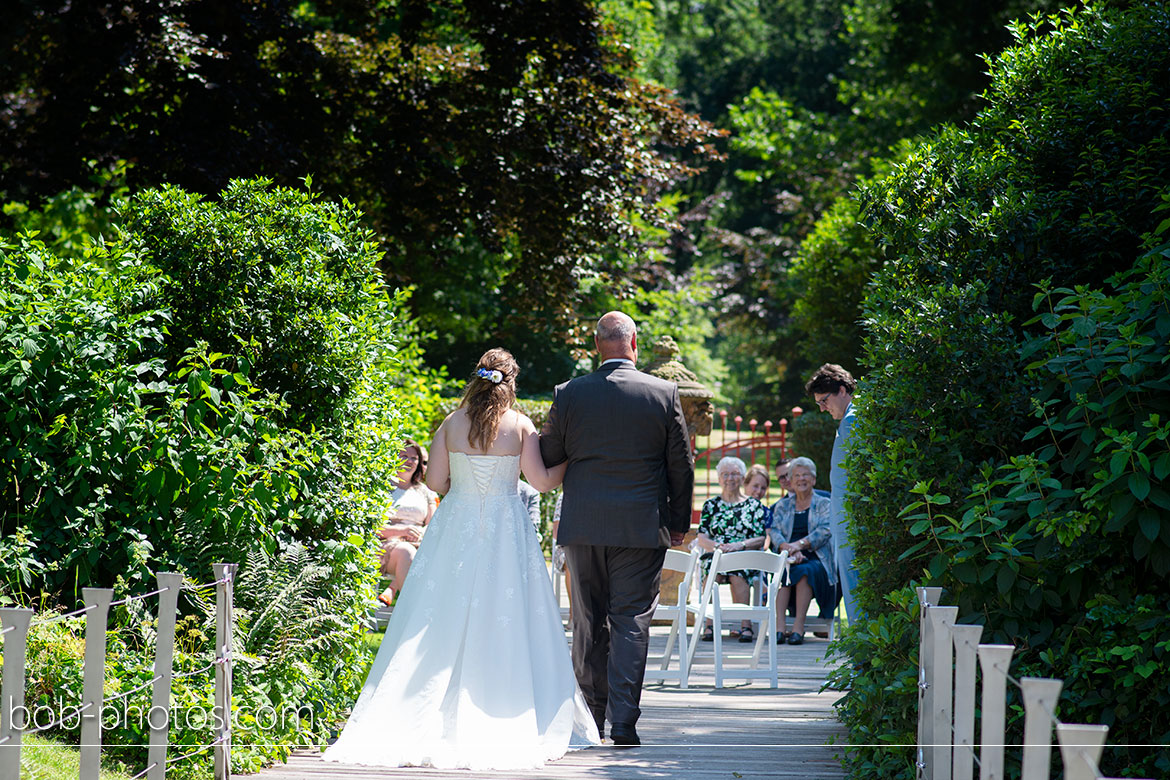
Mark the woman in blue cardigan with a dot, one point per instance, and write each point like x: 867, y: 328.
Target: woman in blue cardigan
x: 800, y: 525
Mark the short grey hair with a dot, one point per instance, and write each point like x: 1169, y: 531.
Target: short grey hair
x: 802, y: 461
x: 617, y: 328
x: 731, y: 460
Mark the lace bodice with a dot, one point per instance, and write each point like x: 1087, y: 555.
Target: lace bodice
x: 483, y: 476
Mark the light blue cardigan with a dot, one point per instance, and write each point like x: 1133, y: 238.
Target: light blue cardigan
x: 820, y: 537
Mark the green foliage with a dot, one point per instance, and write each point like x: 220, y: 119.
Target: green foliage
x: 517, y: 135
x: 289, y: 280
x: 1104, y: 408
x: 818, y: 94
x: 1009, y: 442
x: 297, y: 665
x: 783, y: 147
x: 1043, y: 171
x: 69, y: 221
x: 135, y: 447
x: 880, y: 701
x: 913, y: 63
x: 106, y: 447
x: 1115, y: 670
x: 831, y: 272
x: 48, y: 759
x: 811, y: 435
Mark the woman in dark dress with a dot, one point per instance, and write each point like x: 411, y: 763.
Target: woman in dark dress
x: 800, y: 525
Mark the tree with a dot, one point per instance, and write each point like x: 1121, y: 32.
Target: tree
x: 466, y: 130
x: 817, y: 94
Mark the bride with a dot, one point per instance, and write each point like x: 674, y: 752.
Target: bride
x: 474, y: 669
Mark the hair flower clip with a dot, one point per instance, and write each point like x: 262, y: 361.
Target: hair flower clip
x: 493, y: 376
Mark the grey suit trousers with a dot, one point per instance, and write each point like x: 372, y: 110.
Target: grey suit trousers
x: 614, y: 591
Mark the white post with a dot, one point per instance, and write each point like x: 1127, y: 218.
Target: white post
x: 942, y: 620
x: 927, y: 597
x: 994, y: 661
x: 94, y: 677
x: 963, y: 761
x: 225, y: 575
x: 164, y: 655
x: 14, y: 622
x: 1080, y: 749
x: 1040, y: 695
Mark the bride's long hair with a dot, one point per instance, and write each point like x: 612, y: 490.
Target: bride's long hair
x: 485, y: 400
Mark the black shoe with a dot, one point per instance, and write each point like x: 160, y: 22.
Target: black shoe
x: 795, y: 638
x: 624, y: 736
x: 781, y: 637
x: 708, y: 635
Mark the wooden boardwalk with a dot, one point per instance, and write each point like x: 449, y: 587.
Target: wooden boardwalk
x: 747, y: 731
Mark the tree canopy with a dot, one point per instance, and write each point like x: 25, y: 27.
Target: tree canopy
x: 501, y: 151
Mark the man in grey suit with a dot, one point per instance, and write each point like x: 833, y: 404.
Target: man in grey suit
x: 627, y: 497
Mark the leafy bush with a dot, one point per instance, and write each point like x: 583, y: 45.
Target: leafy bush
x: 134, y: 446
x: 292, y: 281
x: 69, y: 221
x: 880, y: 702
x: 288, y: 686
x: 107, y: 448
x: 1011, y: 454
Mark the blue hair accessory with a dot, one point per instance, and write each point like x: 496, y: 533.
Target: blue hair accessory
x: 493, y: 376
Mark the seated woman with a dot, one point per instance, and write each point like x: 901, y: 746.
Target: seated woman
x: 756, y: 483
x: 730, y: 522
x: 412, y: 504
x: 800, y: 525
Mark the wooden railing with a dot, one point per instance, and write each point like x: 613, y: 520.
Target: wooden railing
x: 14, y: 627
x: 946, y: 707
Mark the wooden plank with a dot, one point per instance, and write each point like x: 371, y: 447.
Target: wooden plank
x: 702, y: 732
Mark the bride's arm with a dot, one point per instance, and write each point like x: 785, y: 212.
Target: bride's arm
x: 439, y: 467
x: 538, y: 475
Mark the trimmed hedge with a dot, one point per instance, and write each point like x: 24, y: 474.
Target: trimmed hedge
x: 1011, y: 435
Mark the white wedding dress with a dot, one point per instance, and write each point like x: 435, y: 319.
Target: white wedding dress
x: 474, y: 670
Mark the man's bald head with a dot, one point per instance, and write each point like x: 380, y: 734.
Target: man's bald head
x: 616, y: 337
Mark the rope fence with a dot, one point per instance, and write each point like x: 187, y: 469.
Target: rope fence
x: 946, y: 707
x: 97, y: 603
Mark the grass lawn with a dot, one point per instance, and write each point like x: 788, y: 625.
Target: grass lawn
x: 47, y: 759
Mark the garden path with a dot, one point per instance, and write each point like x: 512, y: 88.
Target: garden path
x: 745, y: 731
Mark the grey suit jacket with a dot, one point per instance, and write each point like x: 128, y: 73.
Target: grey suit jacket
x: 631, y: 473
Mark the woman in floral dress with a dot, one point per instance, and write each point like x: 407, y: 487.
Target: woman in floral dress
x: 731, y: 521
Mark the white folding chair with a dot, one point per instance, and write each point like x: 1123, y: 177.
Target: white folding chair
x: 749, y: 560
x: 686, y: 564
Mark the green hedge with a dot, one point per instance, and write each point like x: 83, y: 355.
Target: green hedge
x: 1011, y: 438
x: 225, y: 379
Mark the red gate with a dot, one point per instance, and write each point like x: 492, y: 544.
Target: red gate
x: 758, y: 444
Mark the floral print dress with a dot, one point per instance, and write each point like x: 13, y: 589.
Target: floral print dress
x: 728, y: 523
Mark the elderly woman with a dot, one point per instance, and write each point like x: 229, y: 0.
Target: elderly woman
x: 411, y: 507
x: 730, y: 522
x: 800, y: 525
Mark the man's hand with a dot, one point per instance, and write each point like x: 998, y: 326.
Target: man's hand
x: 676, y: 538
